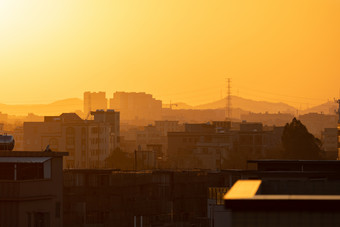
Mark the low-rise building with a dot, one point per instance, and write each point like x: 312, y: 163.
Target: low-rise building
x: 127, y: 198
x: 284, y: 193
x: 89, y: 142
x: 18, y: 135
x: 31, y: 188
x: 211, y: 146
x: 330, y: 142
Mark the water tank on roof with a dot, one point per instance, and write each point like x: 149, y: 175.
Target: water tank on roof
x: 6, y: 142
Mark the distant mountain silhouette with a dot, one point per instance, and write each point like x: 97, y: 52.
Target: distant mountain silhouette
x: 55, y: 108
x: 239, y: 106
x: 326, y: 108
x: 250, y: 105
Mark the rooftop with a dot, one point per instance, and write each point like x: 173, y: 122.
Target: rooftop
x: 294, y: 161
x: 246, y: 195
x: 32, y: 154
x: 243, y: 189
x: 296, y: 165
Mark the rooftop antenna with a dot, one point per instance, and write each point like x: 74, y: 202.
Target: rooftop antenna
x: 47, y: 149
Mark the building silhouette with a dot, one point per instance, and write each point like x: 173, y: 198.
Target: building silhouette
x: 217, y: 145
x: 31, y: 186
x: 89, y: 142
x: 94, y: 101
x: 136, y: 106
x: 278, y: 119
x: 330, y: 142
x: 284, y: 193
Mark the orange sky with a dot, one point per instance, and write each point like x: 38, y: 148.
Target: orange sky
x: 176, y: 50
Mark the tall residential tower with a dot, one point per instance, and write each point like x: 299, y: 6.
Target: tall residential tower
x: 94, y: 101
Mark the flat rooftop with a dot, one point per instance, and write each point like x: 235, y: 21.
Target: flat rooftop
x: 295, y: 161
x: 32, y: 154
x: 246, y: 195
x: 296, y: 165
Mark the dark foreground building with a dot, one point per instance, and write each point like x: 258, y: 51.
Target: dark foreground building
x: 155, y: 198
x: 192, y: 198
x: 31, y: 191
x: 287, y: 193
x: 252, y: 203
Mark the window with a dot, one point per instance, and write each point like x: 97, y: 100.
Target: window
x: 29, y: 219
x: 41, y: 219
x: 53, y: 141
x: 70, y: 151
x: 69, y: 164
x: 83, y: 132
x: 30, y: 171
x: 70, y: 141
x: 70, y: 131
x: 6, y: 171
x: 57, y: 209
x: 94, y: 130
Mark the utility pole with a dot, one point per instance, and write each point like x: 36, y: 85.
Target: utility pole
x: 228, y: 101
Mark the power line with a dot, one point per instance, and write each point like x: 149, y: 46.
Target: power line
x: 276, y: 94
x: 267, y: 99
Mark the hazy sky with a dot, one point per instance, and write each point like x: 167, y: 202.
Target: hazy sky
x: 179, y: 50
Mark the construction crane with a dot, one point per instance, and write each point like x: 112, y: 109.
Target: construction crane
x: 172, y: 104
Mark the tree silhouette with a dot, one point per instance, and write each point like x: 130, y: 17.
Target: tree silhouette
x: 119, y: 159
x: 298, y: 143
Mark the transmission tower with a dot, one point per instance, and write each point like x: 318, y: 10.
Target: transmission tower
x: 228, y: 101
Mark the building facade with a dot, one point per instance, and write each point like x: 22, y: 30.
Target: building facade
x: 136, y: 106
x: 18, y: 134
x: 89, y: 142
x: 284, y: 193
x: 216, y: 146
x: 200, y: 146
x: 94, y: 101
x: 330, y: 142
x: 31, y: 188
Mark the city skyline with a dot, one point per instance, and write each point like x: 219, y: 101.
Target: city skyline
x: 179, y: 51
x: 310, y: 103
x: 169, y: 113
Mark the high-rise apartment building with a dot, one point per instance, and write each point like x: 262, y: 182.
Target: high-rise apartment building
x: 136, y: 106
x: 94, y: 101
x: 88, y: 142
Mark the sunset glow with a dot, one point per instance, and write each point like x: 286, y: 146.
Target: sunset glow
x: 282, y: 51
